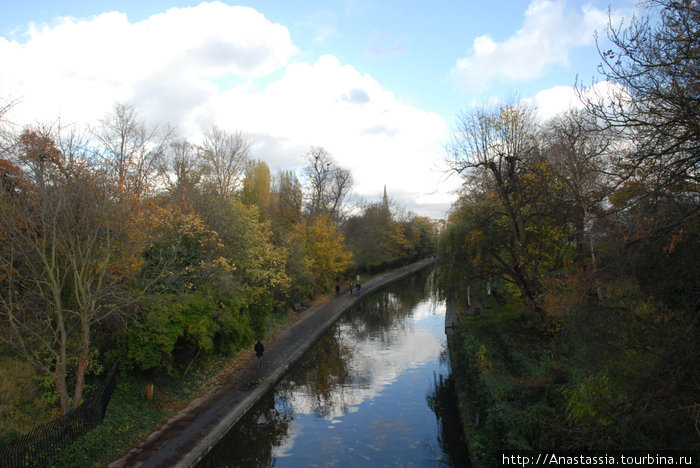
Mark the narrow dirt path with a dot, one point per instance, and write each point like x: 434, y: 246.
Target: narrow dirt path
x: 187, y: 436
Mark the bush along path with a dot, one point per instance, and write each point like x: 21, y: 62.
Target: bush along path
x: 187, y: 436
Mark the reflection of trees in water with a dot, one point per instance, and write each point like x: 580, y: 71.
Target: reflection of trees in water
x: 442, y: 400
x: 378, y: 316
x: 251, y: 441
x: 377, y: 319
x: 322, y: 375
x: 445, y: 355
x: 323, y: 378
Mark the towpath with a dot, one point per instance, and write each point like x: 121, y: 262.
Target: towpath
x: 187, y: 436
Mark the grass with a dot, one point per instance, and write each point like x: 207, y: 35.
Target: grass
x: 508, y: 380
x: 21, y: 404
x: 129, y: 417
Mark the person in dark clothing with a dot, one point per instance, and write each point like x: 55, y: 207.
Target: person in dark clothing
x: 259, y: 349
x: 337, y: 290
x: 352, y: 288
x: 359, y: 288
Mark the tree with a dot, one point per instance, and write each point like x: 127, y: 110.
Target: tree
x: 499, y: 150
x: 7, y: 139
x: 375, y: 237
x: 246, y: 242
x: 653, y: 110
x: 328, y: 184
x: 257, y: 186
x: 182, y: 172
x: 579, y: 156
x: 325, y: 254
x: 193, y: 294
x: 421, y: 234
x: 133, y: 153
x: 471, y: 246
x: 287, y: 201
x: 57, y: 245
x: 180, y: 247
x: 648, y: 256
x: 656, y: 103
x: 224, y: 156
x: 286, y: 219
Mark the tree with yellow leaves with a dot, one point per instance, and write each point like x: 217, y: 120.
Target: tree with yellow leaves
x: 326, y: 256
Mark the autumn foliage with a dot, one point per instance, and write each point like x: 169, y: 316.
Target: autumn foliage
x: 127, y: 240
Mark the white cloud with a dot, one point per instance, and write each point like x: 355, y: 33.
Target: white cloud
x: 365, y: 127
x: 79, y: 67
x: 549, y: 32
x: 553, y: 101
x: 171, y: 67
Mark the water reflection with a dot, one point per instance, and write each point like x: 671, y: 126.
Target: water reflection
x: 359, y: 395
x: 442, y: 399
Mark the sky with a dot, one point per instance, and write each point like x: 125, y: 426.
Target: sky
x: 376, y: 83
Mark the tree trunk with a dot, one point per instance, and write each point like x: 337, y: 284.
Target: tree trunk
x: 83, y: 362
x: 60, y: 382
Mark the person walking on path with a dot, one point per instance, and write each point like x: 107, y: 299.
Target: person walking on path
x: 351, y: 288
x: 259, y: 349
x: 359, y: 289
x: 337, y: 290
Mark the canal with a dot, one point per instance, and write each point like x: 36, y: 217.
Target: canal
x: 375, y: 390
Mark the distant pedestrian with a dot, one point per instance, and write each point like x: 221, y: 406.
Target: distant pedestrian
x: 352, y: 288
x: 359, y: 289
x: 337, y: 290
x: 259, y: 349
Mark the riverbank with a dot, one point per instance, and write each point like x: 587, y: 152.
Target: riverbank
x: 187, y: 436
x: 507, y: 380
x: 523, y: 387
x: 462, y: 374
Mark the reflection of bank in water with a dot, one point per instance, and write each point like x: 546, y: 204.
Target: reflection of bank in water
x: 359, y: 395
x: 442, y: 399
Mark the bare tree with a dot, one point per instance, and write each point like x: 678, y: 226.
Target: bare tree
x: 133, y: 152
x: 57, y: 243
x: 341, y: 185
x: 224, y: 156
x: 6, y: 136
x: 656, y: 103
x: 329, y: 184
x: 181, y: 171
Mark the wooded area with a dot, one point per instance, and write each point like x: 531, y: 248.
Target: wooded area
x: 125, y: 239
x: 585, y: 229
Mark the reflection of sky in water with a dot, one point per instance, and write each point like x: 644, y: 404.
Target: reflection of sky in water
x: 381, y: 416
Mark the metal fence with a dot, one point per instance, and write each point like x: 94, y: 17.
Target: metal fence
x: 41, y: 445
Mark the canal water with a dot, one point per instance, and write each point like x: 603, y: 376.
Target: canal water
x: 375, y: 390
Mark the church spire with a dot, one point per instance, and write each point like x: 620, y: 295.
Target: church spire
x: 385, y: 200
